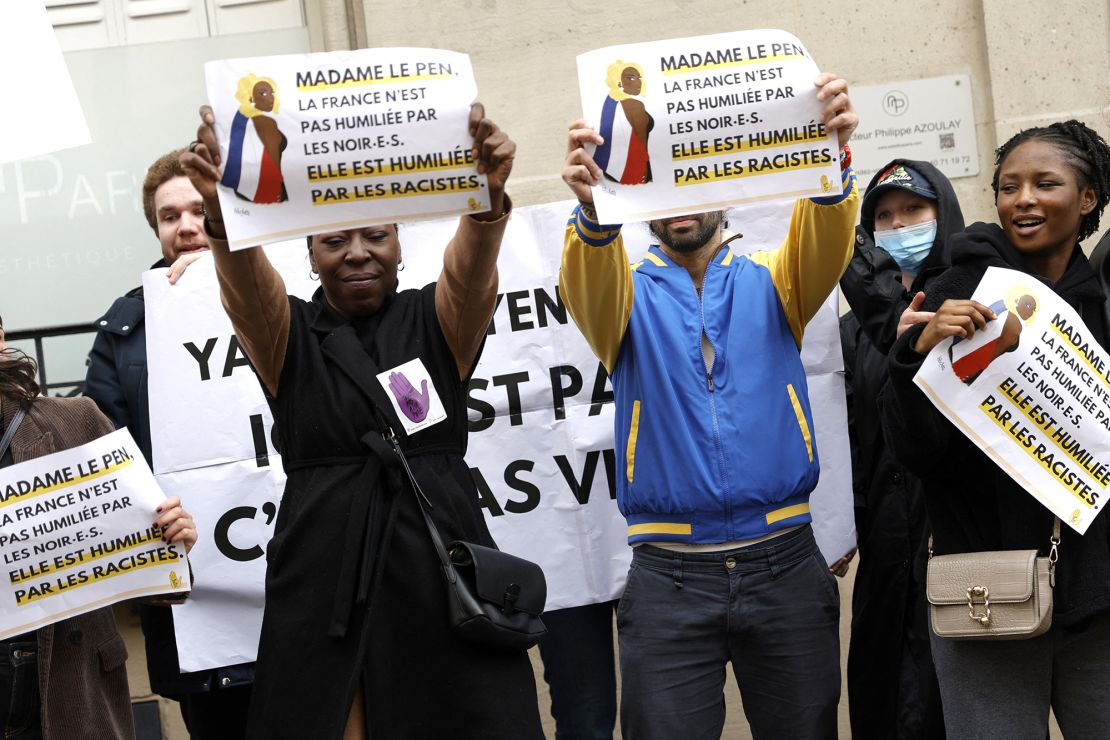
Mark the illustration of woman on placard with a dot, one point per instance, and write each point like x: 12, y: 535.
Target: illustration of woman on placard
x: 253, y: 168
x: 970, y: 357
x: 625, y: 126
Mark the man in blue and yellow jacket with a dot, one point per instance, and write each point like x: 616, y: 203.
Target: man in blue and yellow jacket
x: 714, y: 430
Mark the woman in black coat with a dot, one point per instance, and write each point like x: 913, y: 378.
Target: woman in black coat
x: 1051, y: 184
x: 355, y: 639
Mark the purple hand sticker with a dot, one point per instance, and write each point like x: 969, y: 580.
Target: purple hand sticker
x: 414, y: 405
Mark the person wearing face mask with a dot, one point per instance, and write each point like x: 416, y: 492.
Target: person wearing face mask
x: 908, y: 214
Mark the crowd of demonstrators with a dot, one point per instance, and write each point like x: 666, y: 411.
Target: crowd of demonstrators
x: 714, y: 430
x: 908, y: 216
x: 1051, y: 185
x: 373, y: 652
x: 725, y: 567
x: 68, y: 679
x: 213, y: 703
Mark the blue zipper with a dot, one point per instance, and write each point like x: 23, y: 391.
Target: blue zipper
x: 713, y: 402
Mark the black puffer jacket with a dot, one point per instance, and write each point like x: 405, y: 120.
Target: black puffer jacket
x: 891, y: 684
x: 973, y: 505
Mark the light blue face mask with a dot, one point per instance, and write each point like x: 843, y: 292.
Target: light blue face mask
x: 909, y: 245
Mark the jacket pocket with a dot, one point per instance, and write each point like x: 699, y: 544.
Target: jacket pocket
x: 113, y: 653
x: 633, y: 432
x: 803, y: 425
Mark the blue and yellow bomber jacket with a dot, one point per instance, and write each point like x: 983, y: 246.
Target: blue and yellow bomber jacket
x: 726, y: 454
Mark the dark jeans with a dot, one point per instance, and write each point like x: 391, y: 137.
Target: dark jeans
x: 578, y: 666
x: 771, y: 609
x: 19, y: 690
x: 219, y: 714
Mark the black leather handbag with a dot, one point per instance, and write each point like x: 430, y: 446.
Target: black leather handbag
x: 493, y: 598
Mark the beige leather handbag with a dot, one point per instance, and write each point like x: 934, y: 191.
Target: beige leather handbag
x: 1004, y: 595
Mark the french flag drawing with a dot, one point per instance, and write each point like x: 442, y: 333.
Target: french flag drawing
x: 623, y: 156
x: 250, y: 171
x: 970, y: 357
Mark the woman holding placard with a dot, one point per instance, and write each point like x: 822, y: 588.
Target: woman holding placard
x: 68, y: 679
x: 355, y: 639
x: 1051, y: 185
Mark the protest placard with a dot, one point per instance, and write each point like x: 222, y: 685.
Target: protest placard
x: 1032, y: 389
x: 49, y: 116
x: 336, y: 140
x: 700, y: 124
x: 212, y: 447
x: 77, y: 533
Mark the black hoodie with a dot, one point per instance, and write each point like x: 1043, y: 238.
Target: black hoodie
x: 872, y: 284
x: 888, y: 603
x: 972, y: 503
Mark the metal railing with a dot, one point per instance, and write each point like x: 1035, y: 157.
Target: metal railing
x: 76, y: 387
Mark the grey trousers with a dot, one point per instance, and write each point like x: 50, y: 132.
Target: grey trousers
x: 1003, y: 689
x: 771, y: 609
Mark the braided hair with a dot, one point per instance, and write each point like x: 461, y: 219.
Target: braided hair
x: 1086, y: 152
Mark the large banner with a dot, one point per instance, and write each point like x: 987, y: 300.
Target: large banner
x: 337, y: 140
x: 77, y: 533
x: 699, y: 124
x: 212, y: 447
x: 540, y: 412
x: 1032, y: 389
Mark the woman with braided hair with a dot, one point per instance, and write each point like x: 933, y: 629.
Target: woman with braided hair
x: 1051, y: 185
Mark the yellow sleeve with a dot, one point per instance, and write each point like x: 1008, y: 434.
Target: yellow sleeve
x: 595, y: 283
x: 814, y: 254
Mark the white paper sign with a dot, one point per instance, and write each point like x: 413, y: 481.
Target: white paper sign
x: 700, y: 124
x: 36, y: 78
x: 336, y: 140
x: 211, y: 445
x: 1033, y: 391
x: 77, y: 534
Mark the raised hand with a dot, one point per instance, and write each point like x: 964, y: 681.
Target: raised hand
x: 838, y: 115
x: 494, y: 152
x: 580, y: 171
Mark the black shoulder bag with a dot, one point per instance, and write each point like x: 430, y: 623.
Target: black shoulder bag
x: 493, y: 598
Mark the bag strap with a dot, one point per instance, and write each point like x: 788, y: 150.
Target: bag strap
x: 9, y: 433
x: 1053, y: 552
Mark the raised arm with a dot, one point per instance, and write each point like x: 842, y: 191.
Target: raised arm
x: 251, y: 289
x: 595, y: 281
x: 466, y: 291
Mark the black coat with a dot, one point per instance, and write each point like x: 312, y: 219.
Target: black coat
x: 117, y: 380
x: 892, y: 690
x: 354, y: 592
x: 1000, y: 515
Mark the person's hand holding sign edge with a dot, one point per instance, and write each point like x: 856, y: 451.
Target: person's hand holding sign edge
x: 580, y: 172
